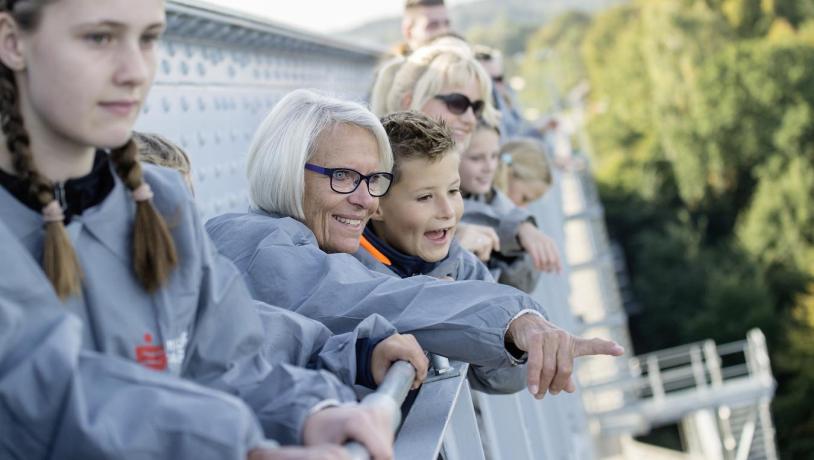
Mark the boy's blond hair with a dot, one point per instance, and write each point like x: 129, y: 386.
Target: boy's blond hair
x: 415, y: 135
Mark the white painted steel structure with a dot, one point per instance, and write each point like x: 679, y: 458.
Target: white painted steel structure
x: 220, y: 72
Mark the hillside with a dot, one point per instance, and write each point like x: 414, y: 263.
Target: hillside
x: 480, y: 15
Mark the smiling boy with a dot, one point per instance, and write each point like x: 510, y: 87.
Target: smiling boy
x: 412, y: 232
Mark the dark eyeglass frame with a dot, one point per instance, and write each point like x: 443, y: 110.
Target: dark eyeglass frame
x: 330, y: 173
x: 458, y: 103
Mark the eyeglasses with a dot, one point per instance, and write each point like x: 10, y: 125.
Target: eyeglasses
x: 458, y: 103
x: 346, y: 180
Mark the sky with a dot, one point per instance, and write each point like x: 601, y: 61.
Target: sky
x: 321, y: 15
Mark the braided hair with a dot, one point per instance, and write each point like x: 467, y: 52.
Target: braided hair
x: 153, y: 249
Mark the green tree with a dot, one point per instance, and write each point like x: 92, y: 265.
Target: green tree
x: 502, y: 34
x: 792, y: 366
x: 552, y: 65
x: 778, y: 228
x: 623, y: 133
x: 701, y: 115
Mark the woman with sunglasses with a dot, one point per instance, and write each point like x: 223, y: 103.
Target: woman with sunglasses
x: 446, y: 83
x: 442, y: 81
x: 317, y: 166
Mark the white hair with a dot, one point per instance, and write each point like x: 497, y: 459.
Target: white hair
x: 287, y: 139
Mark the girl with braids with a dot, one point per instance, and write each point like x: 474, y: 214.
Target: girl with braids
x: 123, y: 249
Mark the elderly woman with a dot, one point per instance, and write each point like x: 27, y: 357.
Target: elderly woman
x: 316, y: 169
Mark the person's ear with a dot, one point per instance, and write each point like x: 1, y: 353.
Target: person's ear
x: 11, y: 46
x: 406, y: 101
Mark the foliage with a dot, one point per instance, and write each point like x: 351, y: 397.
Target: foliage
x: 473, y: 18
x: 552, y: 64
x: 795, y: 426
x: 502, y: 34
x: 779, y: 225
x: 702, y: 122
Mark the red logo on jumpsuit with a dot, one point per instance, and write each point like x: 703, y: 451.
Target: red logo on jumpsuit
x: 152, y: 356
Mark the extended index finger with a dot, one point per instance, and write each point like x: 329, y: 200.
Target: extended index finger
x: 596, y: 346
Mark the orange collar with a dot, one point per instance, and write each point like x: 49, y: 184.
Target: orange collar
x: 373, y: 251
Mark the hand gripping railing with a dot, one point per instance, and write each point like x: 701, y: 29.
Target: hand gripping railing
x: 388, y: 397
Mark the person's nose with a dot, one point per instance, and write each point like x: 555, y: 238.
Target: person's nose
x: 469, y: 117
x: 133, y: 65
x: 490, y: 166
x: 361, y: 197
x: 444, y: 209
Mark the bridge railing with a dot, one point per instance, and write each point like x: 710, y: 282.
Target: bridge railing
x: 695, y: 366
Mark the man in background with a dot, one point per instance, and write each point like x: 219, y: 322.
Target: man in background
x: 423, y: 20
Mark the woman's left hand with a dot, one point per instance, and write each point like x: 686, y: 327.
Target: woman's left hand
x: 399, y: 347
x: 540, y: 247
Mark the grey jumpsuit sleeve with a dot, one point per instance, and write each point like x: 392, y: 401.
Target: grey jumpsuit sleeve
x: 501, y: 380
x: 512, y: 265
x: 230, y: 350
x: 469, y: 267
x: 518, y: 271
x: 497, y: 380
x: 465, y: 321
x: 503, y: 216
x: 316, y: 347
x: 57, y: 400
x: 507, y: 230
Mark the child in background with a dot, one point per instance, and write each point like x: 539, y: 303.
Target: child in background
x: 524, y: 174
x: 524, y: 250
x: 411, y: 233
x: 158, y: 150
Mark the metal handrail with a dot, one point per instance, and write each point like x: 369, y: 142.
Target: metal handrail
x: 673, y: 365
x: 389, y: 396
x: 698, y: 368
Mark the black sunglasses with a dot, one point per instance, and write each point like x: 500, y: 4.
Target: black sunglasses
x: 346, y: 180
x: 458, y: 103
